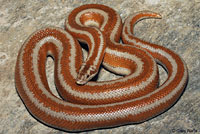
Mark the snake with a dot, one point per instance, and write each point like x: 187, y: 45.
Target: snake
x: 85, y: 104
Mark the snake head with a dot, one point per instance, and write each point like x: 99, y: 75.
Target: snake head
x: 86, y: 73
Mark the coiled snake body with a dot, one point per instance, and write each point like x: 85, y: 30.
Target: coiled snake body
x: 87, y: 104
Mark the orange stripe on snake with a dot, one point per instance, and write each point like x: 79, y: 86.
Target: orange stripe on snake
x: 86, y: 104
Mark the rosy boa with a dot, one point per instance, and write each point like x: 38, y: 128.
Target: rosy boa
x: 86, y: 104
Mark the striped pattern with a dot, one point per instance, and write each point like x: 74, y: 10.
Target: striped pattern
x: 89, y: 105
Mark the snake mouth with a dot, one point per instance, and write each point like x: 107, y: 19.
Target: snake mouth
x: 81, y: 82
x: 83, y: 79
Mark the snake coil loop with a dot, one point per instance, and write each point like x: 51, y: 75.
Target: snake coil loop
x: 86, y: 104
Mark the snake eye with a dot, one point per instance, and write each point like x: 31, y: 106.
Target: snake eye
x: 87, y: 76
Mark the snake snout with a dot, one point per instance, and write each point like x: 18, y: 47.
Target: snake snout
x: 85, y: 74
